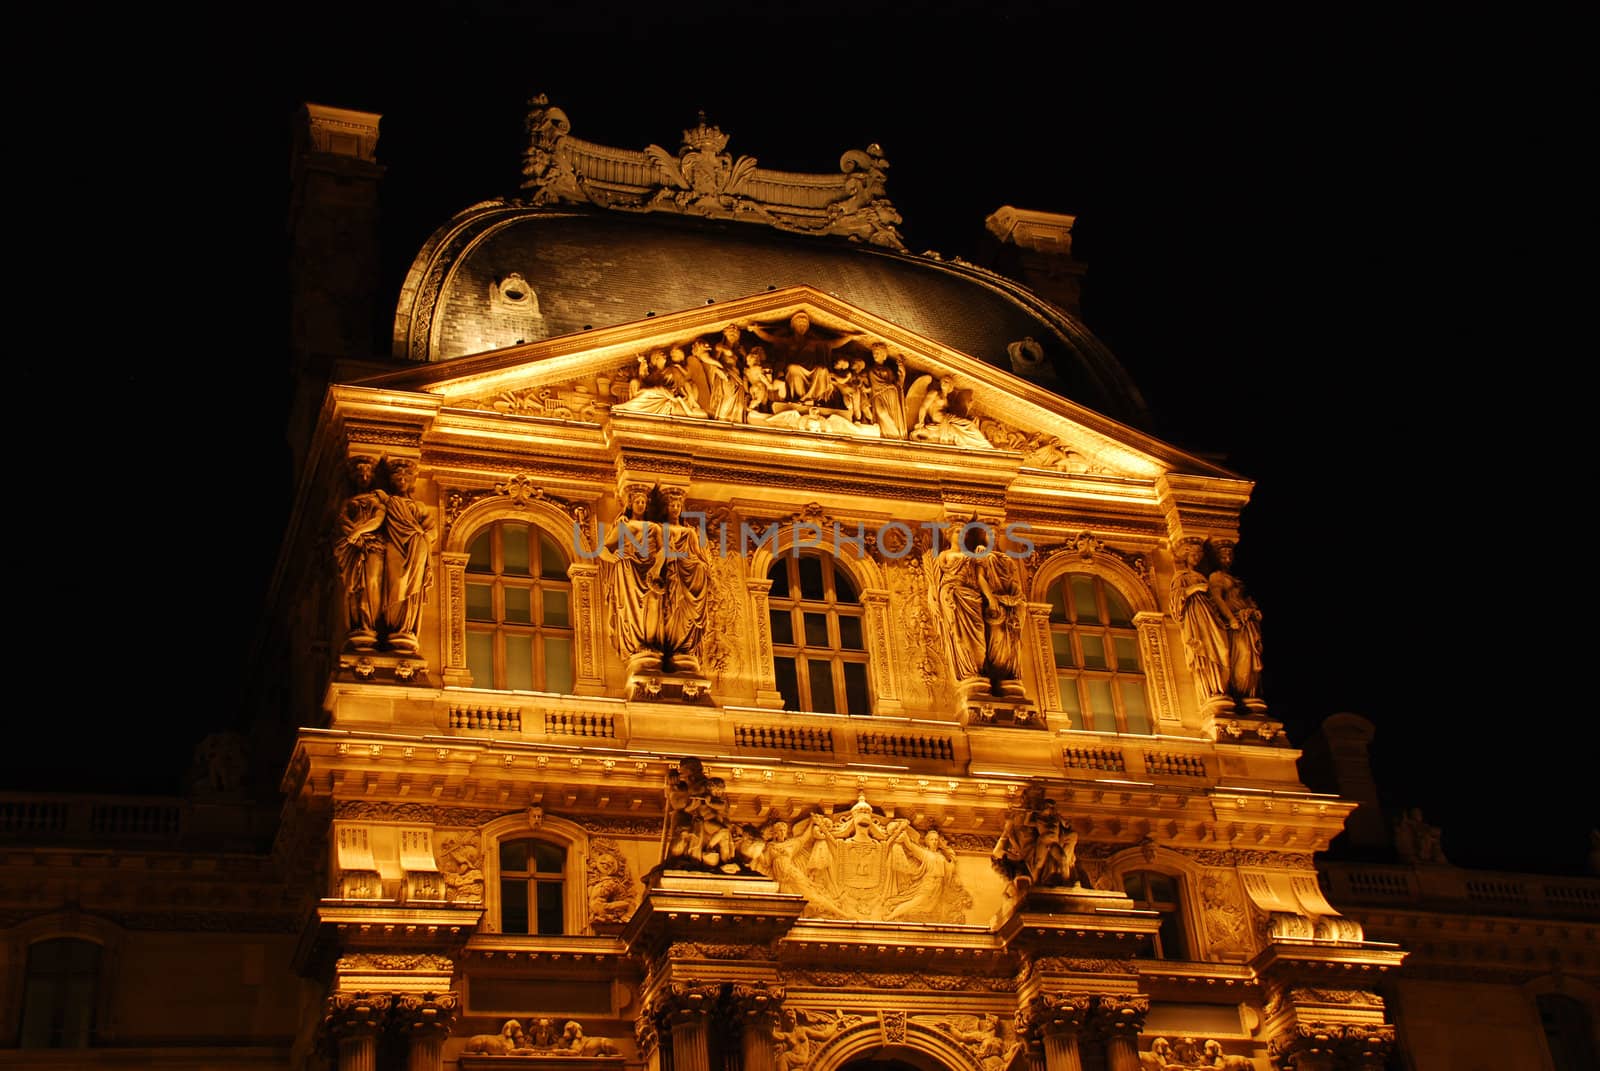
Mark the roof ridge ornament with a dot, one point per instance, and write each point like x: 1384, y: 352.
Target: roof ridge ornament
x: 703, y: 179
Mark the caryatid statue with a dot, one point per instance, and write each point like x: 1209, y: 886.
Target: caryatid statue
x: 1207, y: 647
x: 979, y: 603
x: 408, y: 530
x: 1243, y: 621
x: 657, y: 582
x: 358, y: 550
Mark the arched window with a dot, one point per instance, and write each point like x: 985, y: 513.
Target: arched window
x: 1567, y: 1032
x: 58, y: 995
x: 1097, y: 656
x: 519, y: 610
x: 1151, y: 890
x: 819, y: 653
x: 532, y: 887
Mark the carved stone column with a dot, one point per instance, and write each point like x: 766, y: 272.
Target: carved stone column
x: 453, y: 623
x: 756, y: 1008
x: 687, y: 1009
x: 1119, y: 1019
x: 767, y: 694
x: 1056, y: 1021
x: 1158, y: 667
x: 589, y: 631
x: 425, y: 1022
x: 352, y: 1022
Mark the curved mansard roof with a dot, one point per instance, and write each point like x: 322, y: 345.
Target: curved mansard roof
x: 503, y: 272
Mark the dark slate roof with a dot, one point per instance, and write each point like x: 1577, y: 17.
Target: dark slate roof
x: 593, y: 269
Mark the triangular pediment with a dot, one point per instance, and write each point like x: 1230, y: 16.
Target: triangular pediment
x: 843, y: 372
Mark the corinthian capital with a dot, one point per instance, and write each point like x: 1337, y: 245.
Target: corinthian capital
x: 1122, y: 1015
x: 1053, y: 1013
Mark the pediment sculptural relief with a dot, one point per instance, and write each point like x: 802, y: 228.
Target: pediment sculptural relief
x: 791, y: 375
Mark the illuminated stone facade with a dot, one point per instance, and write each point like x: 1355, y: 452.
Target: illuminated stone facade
x: 790, y: 677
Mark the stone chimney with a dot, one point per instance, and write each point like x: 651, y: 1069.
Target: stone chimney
x: 1035, y: 248
x: 1338, y: 758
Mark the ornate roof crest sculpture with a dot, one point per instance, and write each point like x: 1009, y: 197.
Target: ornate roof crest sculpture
x: 703, y: 179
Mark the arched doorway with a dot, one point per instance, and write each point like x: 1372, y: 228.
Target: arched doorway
x: 894, y: 1059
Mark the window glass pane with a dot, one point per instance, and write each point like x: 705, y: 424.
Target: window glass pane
x: 513, y: 856
x: 480, y: 602
x: 782, y: 626
x: 480, y: 659
x: 519, y: 605
x: 550, y: 907
x: 1121, y: 615
x: 1058, y: 604
x: 556, y: 611
x: 816, y: 630
x: 1083, y: 604
x: 514, y: 549
x: 1134, y: 885
x: 855, y: 689
x: 1094, y: 651
x: 820, y: 674
x: 1100, y: 701
x: 1127, y: 652
x: 548, y: 858
x: 519, y: 662
x: 779, y: 574
x: 1069, y: 698
x: 1134, y: 710
x: 478, y: 556
x: 1061, y: 642
x: 843, y: 589
x: 514, y: 905
x: 850, y: 633
x: 783, y: 671
x: 557, y: 664
x: 811, y: 578
x: 552, y: 563
x: 1162, y: 889
x: 1172, y: 944
x: 59, y: 994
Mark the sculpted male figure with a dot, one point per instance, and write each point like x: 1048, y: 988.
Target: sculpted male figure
x: 409, y: 528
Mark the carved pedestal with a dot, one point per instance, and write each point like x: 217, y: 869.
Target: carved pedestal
x: 1006, y: 712
x: 669, y: 688
x: 379, y: 668
x: 1323, y: 1011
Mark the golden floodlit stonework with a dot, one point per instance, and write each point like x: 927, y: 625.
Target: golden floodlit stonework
x: 710, y: 647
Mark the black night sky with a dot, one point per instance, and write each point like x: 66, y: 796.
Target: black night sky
x: 1320, y: 242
